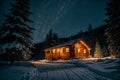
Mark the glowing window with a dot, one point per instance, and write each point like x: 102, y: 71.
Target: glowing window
x: 53, y: 50
x: 67, y: 49
x: 84, y: 50
x: 78, y: 49
x: 58, y: 50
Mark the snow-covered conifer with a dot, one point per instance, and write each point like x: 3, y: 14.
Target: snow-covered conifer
x: 113, y: 30
x: 15, y: 36
x: 98, y: 53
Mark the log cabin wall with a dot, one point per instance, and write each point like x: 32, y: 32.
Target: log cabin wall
x: 80, y: 51
x: 48, y: 54
x: 65, y: 52
x: 58, y: 53
x: 77, y: 50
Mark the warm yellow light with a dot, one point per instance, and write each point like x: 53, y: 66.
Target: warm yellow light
x: 84, y: 50
x: 53, y: 50
x: 61, y: 50
x: 77, y: 45
x: 78, y: 49
x: 67, y: 49
x: 58, y: 50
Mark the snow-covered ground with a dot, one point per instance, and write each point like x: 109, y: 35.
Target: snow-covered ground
x: 106, y: 67
x: 17, y: 71
x: 77, y: 69
x: 74, y: 69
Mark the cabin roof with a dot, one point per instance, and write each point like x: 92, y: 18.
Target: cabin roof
x: 70, y: 43
x: 67, y: 43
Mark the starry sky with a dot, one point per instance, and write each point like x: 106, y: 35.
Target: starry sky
x: 65, y: 17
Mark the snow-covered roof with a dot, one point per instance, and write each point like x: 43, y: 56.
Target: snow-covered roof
x: 67, y: 43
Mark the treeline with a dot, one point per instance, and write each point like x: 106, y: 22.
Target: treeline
x: 105, y: 37
x: 89, y: 36
x: 16, y: 40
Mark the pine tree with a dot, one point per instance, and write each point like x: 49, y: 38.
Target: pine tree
x: 98, y: 53
x: 91, y: 38
x: 105, y: 51
x: 51, y: 39
x: 15, y: 36
x: 80, y: 34
x: 55, y: 39
x: 89, y: 27
x: 48, y: 41
x: 113, y: 30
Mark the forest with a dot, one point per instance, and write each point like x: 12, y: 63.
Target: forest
x: 16, y: 34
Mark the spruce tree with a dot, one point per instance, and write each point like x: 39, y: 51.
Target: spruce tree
x: 80, y: 34
x: 51, y: 39
x: 48, y: 41
x: 113, y: 30
x: 55, y: 39
x: 89, y: 27
x: 15, y: 38
x: 105, y: 51
x: 98, y: 53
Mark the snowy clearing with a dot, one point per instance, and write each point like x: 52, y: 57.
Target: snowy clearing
x: 65, y: 71
x: 74, y: 69
x: 77, y: 69
x: 18, y: 71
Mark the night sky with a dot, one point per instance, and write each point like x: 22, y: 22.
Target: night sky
x: 65, y: 17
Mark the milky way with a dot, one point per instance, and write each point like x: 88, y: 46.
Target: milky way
x: 65, y: 17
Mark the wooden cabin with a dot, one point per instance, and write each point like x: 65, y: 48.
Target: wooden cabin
x: 71, y: 49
